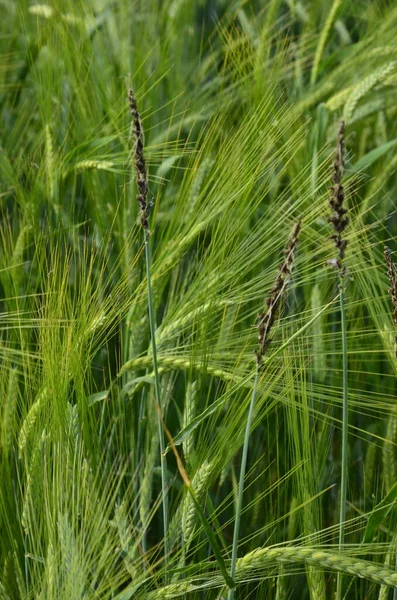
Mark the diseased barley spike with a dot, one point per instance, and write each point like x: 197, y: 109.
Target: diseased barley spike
x: 338, y: 217
x: 266, y: 319
x: 140, y: 165
x: 392, y: 272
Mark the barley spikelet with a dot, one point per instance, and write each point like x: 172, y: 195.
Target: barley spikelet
x: 352, y: 94
x: 316, y: 583
x: 9, y: 411
x: 180, y: 363
x: 146, y: 486
x: 391, y: 270
x: 317, y: 558
x: 315, y: 576
x: 73, y: 420
x: 319, y: 362
x: 365, y: 86
x: 189, y: 513
x: 66, y: 542
x: 19, y: 248
x: 99, y: 165
x: 173, y: 591
x: 125, y: 536
x: 384, y: 592
x: 282, y: 584
x: 177, y: 327
x: 137, y: 324
x: 189, y: 412
x: 338, y: 99
x: 30, y: 420
x: 388, y: 453
x: 140, y: 165
x: 31, y: 487
x: 41, y: 10
x: 267, y: 318
x: 18, y: 575
x: 72, y: 563
x: 51, y: 570
x: 184, y: 518
x: 261, y: 559
x: 197, y: 185
x: 50, y: 162
x: 369, y: 108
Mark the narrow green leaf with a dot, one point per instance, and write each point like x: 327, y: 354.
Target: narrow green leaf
x: 368, y: 159
x: 98, y: 397
x: 379, y: 513
x: 212, y: 540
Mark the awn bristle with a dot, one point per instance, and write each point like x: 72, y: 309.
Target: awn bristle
x: 266, y: 319
x: 140, y: 165
x: 338, y: 218
x: 391, y: 270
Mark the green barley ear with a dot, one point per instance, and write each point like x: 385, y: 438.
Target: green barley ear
x: 318, y: 328
x: 384, y: 589
x: 126, y: 535
x: 190, y: 410
x: 9, y: 413
x: 33, y: 475
x: 189, y: 516
x: 50, y: 162
x: 30, y: 421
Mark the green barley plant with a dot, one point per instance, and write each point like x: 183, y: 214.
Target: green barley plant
x: 126, y: 364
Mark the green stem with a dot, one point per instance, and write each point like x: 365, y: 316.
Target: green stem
x: 140, y: 441
x: 241, y: 483
x: 345, y: 425
x: 163, y: 459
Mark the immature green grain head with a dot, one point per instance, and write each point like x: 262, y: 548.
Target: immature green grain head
x: 338, y: 216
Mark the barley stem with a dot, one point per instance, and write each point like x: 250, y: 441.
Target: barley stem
x: 163, y: 459
x: 241, y: 482
x: 345, y: 426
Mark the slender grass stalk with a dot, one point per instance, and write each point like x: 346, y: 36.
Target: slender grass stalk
x: 141, y: 175
x: 239, y: 505
x: 163, y: 458
x: 391, y: 271
x: 339, y: 220
x: 265, y: 323
x: 345, y: 423
x: 323, y: 39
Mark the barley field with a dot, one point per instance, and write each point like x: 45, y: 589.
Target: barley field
x: 198, y: 300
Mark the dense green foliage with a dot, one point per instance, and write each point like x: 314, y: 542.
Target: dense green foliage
x: 240, y: 104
